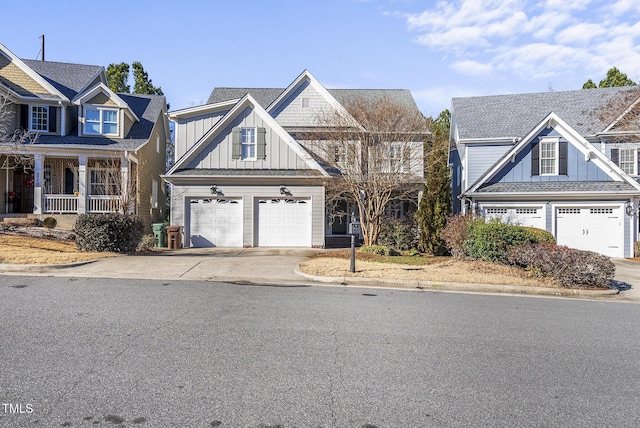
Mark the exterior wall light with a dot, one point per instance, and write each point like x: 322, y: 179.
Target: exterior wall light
x: 214, y: 189
x: 284, y: 190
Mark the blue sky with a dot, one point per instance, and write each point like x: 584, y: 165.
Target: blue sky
x: 437, y: 49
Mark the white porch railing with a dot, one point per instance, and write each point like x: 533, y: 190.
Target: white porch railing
x: 60, y: 204
x: 103, y: 204
x: 69, y: 204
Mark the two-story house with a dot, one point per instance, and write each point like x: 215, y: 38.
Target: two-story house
x: 87, y: 149
x: 246, y: 176
x: 552, y: 160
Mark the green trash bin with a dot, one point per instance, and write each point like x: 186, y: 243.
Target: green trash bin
x: 159, y: 235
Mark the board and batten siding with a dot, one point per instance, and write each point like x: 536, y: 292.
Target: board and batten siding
x: 188, y: 131
x: 181, y: 195
x: 481, y: 157
x: 278, y: 153
x: 578, y: 169
x: 292, y: 112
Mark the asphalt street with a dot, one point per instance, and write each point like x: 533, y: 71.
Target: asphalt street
x: 110, y: 352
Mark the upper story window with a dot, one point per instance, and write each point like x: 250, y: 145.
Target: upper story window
x: 248, y: 144
x: 628, y: 160
x: 100, y: 121
x: 399, y: 158
x: 549, y: 156
x: 39, y: 118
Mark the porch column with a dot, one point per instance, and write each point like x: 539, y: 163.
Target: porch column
x: 38, y: 171
x: 82, y: 184
x: 124, y: 186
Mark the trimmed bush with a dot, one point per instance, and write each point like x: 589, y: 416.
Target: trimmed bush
x: 568, y: 266
x: 540, y: 235
x: 490, y: 241
x: 455, y: 233
x: 399, y: 234
x: 50, y: 222
x: 381, y: 250
x: 118, y: 233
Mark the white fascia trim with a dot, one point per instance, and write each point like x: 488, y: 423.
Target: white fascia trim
x: 541, y: 195
x: 266, y: 117
x: 306, y: 75
x: 81, y: 98
x: 31, y: 73
x: 205, y: 108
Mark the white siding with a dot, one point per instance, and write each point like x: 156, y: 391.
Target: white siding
x: 180, y: 196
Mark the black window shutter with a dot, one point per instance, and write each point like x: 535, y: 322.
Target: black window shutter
x: 615, y: 156
x: 53, y: 119
x: 563, y: 149
x: 235, y: 143
x: 24, y: 116
x: 535, y: 159
x: 638, y: 165
x: 261, y: 143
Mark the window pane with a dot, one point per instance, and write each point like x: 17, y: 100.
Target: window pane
x: 92, y: 115
x: 39, y: 118
x: 110, y: 128
x: 109, y: 116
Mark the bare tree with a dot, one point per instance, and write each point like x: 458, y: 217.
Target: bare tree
x: 622, y: 115
x: 373, y: 150
x: 13, y: 140
x: 110, y: 179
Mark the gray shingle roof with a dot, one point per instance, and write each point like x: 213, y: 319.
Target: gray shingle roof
x: 67, y: 78
x: 557, y: 187
x: 265, y: 96
x: 146, y: 107
x: 515, y: 115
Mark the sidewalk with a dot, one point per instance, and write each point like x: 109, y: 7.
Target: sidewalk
x: 279, y: 266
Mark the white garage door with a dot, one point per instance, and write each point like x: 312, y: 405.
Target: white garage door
x: 284, y: 222
x: 523, y: 216
x: 599, y: 229
x: 216, y: 223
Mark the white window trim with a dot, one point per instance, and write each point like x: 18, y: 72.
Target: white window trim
x: 154, y: 193
x: 556, y: 142
x: 254, y: 144
x: 46, y: 109
x: 100, y: 109
x: 635, y: 160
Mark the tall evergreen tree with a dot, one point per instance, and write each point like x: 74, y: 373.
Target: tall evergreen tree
x: 435, y: 205
x: 117, y: 76
x: 614, y: 78
x: 143, y: 84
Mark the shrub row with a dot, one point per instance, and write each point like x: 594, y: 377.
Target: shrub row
x: 527, y: 247
x: 568, y: 266
x: 119, y: 233
x: 381, y: 250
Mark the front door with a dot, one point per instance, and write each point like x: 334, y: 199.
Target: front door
x: 23, y: 188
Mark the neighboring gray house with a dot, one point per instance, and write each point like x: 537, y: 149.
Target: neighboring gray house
x: 243, y: 178
x: 550, y: 161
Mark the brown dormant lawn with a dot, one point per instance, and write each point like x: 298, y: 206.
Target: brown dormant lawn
x: 20, y: 249
x: 421, y: 268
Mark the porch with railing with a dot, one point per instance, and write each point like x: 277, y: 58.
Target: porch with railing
x: 68, y: 204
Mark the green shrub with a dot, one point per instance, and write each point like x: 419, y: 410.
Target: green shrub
x: 147, y: 242
x: 490, y: 241
x: 413, y: 253
x: 50, y: 222
x: 119, y: 233
x: 381, y: 250
x: 399, y: 234
x: 455, y: 233
x: 568, y: 266
x: 540, y: 235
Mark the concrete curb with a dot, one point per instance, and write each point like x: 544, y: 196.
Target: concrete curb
x: 457, y: 286
x: 41, y: 268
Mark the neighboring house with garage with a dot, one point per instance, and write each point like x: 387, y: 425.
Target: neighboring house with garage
x: 89, y: 150
x: 243, y: 176
x: 548, y: 160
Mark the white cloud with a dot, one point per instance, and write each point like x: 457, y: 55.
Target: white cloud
x: 533, y: 39
x: 472, y: 68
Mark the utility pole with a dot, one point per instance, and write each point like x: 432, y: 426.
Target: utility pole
x: 42, y: 37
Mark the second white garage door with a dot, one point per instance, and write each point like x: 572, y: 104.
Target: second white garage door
x: 216, y: 223
x: 599, y: 229
x: 284, y: 222
x: 523, y: 216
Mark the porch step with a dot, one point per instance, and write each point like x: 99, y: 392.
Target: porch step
x: 339, y: 241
